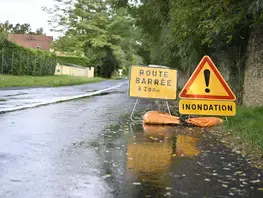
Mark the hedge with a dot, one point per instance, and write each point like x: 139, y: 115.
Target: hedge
x: 17, y: 60
x: 81, y: 61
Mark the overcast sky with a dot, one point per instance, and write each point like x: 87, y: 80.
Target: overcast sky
x: 27, y: 11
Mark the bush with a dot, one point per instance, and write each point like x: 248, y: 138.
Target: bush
x: 16, y: 60
x: 81, y: 61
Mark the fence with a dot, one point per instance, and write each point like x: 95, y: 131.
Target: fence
x: 74, y: 70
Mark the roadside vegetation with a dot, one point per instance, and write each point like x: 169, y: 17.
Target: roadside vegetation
x: 104, y: 34
x: 44, y: 81
x: 17, y: 60
x: 248, y: 124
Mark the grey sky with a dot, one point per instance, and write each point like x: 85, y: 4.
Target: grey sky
x: 26, y: 11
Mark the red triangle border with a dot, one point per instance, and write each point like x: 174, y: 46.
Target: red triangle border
x: 205, y: 60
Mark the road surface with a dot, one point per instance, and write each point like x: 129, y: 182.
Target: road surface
x: 90, y: 148
x: 10, y: 98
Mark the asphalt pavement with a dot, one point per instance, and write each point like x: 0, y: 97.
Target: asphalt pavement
x: 90, y: 148
x: 17, y: 97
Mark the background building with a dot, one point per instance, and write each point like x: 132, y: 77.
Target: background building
x: 41, y: 42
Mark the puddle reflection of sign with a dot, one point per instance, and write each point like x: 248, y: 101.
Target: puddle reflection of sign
x: 186, y: 146
x: 150, y: 82
x: 182, y: 145
x: 149, y: 156
x: 209, y: 92
x: 155, y: 156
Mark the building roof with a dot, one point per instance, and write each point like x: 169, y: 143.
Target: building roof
x: 32, y: 41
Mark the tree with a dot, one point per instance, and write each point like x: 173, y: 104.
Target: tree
x: 68, y: 44
x: 21, y: 28
x: 103, y: 33
x: 18, y: 28
x: 180, y: 32
x: 40, y: 31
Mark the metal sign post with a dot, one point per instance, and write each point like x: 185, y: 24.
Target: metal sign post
x: 134, y: 107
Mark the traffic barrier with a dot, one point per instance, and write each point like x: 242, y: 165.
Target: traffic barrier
x: 205, y: 121
x: 162, y: 118
x: 156, y: 117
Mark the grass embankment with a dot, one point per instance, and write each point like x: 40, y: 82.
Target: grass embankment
x: 44, y: 81
x: 248, y: 125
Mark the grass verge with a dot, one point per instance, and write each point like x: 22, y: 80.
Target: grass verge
x: 44, y: 81
x: 119, y: 78
x: 248, y: 125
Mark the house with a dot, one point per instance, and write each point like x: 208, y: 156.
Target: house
x: 41, y: 42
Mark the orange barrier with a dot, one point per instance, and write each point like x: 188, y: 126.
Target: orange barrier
x: 161, y: 118
x: 205, y: 121
x: 156, y: 117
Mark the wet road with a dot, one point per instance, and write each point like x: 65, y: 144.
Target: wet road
x: 89, y: 148
x: 10, y: 98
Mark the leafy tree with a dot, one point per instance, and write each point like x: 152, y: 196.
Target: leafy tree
x: 18, y: 28
x: 179, y: 32
x: 255, y: 9
x: 68, y: 44
x: 104, y: 34
x: 21, y: 28
x: 40, y: 31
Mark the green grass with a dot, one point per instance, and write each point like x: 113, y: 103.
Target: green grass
x: 44, y: 81
x: 248, y: 124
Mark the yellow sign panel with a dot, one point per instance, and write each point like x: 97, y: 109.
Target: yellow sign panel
x: 149, y: 82
x: 207, y: 83
x: 203, y: 107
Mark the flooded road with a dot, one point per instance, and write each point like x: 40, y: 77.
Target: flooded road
x: 90, y: 148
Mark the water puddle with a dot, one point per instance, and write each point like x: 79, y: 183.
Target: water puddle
x: 153, y: 151
x: 140, y: 160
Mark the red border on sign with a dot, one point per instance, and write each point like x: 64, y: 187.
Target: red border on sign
x: 202, y: 63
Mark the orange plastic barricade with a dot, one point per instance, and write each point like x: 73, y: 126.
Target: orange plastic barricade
x: 156, y: 117
x: 205, y: 121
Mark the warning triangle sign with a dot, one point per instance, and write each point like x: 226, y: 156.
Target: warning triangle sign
x: 207, y: 83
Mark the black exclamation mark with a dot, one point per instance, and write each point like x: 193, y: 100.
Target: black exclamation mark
x: 207, y: 79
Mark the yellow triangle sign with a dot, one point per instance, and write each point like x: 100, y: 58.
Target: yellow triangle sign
x: 207, y: 83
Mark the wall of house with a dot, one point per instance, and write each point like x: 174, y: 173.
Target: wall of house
x: 74, y: 71
x: 253, y: 80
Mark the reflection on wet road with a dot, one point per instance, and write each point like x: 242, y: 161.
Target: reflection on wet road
x: 152, y: 151
x: 175, y: 162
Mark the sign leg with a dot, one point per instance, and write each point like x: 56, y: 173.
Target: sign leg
x: 133, y: 110
x: 168, y: 107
